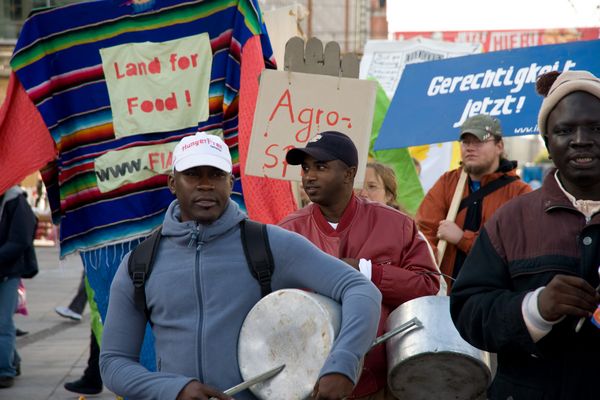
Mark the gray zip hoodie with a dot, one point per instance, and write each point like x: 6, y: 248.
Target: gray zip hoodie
x: 199, y: 294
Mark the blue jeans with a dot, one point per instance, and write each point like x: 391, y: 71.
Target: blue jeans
x: 8, y: 305
x: 100, y: 267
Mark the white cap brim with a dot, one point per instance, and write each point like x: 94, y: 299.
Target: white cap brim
x: 207, y: 160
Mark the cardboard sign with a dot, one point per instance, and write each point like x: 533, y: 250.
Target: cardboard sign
x: 292, y: 108
x: 158, y: 87
x: 433, y: 99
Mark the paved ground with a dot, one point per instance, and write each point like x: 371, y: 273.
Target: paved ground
x: 56, y: 349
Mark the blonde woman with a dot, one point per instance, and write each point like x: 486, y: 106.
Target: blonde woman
x: 380, y: 185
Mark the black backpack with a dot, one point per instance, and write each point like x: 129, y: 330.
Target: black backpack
x: 256, y: 248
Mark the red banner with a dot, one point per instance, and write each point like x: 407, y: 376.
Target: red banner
x: 509, y: 39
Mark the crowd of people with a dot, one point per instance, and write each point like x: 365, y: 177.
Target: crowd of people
x: 521, y: 267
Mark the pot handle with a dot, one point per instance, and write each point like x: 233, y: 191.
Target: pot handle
x: 405, y: 326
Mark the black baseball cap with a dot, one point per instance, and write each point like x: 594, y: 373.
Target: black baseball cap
x: 326, y: 146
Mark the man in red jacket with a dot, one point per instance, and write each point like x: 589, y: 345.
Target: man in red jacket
x: 382, y: 243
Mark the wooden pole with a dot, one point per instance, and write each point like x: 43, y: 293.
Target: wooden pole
x: 309, y: 29
x: 452, y: 211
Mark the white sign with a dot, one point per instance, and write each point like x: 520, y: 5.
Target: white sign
x: 158, y: 87
x: 385, y: 60
x: 293, y: 108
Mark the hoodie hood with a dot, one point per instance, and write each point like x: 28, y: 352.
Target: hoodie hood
x: 11, y: 194
x: 189, y: 231
x: 506, y: 165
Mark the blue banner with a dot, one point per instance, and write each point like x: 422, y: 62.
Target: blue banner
x: 434, y: 98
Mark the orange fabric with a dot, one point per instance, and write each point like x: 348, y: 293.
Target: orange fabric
x: 436, y: 203
x: 25, y: 142
x: 267, y: 200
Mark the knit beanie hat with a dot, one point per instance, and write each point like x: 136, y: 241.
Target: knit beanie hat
x: 566, y: 83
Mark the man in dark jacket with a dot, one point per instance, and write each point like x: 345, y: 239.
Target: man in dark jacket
x: 379, y: 241
x: 17, y: 228
x: 529, y: 279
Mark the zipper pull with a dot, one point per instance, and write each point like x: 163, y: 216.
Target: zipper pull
x: 194, y: 237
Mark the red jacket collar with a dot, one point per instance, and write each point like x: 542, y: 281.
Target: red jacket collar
x: 345, y: 221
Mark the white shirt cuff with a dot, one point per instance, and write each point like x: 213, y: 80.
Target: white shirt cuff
x: 537, y: 326
x: 365, y: 267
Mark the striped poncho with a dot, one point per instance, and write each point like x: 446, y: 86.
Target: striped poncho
x: 57, y: 60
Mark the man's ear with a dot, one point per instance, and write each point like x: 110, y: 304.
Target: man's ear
x: 350, y: 174
x: 501, y: 145
x: 171, y: 183
x: 231, y: 181
x: 545, y: 137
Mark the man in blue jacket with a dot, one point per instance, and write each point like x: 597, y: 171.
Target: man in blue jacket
x: 200, y: 292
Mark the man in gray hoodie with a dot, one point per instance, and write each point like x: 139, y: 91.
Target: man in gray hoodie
x: 200, y: 292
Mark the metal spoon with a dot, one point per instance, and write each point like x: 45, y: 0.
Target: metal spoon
x: 252, y: 381
x: 582, y: 319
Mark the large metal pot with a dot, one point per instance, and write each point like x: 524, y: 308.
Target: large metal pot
x: 291, y: 327
x: 433, y: 362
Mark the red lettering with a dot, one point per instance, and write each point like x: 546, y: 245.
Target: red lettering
x: 194, y: 60
x: 154, y: 66
x: 131, y: 69
x: 273, y: 161
x: 307, y: 122
x: 172, y: 59
x: 152, y: 160
x: 147, y: 106
x: 141, y: 69
x: 131, y: 102
x: 319, y: 113
x: 280, y: 103
x: 171, y: 102
x: 268, y: 154
x: 159, y: 104
x: 285, y: 164
x: 119, y: 74
x: 336, y: 115
x: 349, y: 122
x: 169, y: 160
x: 183, y: 63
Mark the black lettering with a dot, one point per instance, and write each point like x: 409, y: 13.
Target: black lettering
x: 119, y: 170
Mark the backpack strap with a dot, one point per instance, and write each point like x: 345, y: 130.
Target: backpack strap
x: 258, y: 253
x: 140, y: 265
x: 485, y: 190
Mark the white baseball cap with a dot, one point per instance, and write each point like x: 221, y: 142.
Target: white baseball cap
x: 200, y: 150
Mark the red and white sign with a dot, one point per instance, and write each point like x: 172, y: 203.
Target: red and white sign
x: 507, y: 39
